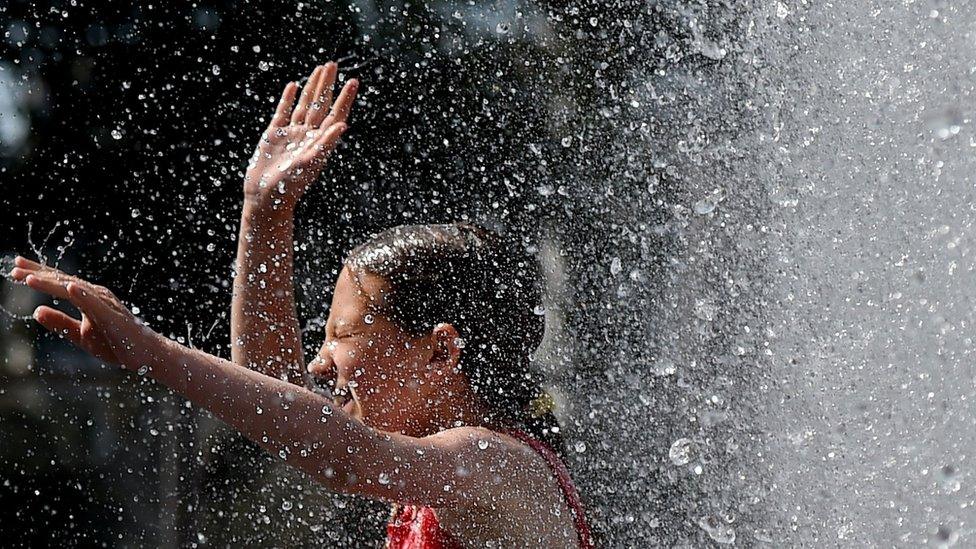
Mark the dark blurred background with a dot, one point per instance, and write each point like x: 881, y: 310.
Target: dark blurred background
x: 124, y: 132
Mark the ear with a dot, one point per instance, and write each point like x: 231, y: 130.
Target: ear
x: 447, y: 352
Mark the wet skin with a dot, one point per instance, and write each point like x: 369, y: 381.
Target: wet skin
x: 404, y: 383
x: 418, y: 423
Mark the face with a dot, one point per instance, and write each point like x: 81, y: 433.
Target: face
x: 387, y: 369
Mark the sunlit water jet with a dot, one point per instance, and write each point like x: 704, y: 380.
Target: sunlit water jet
x: 783, y: 250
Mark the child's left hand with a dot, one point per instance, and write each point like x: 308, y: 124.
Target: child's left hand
x: 107, y: 329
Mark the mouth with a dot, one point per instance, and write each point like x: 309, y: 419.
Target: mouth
x: 343, y: 397
x: 347, y: 399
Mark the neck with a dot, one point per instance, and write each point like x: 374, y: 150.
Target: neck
x: 449, y: 411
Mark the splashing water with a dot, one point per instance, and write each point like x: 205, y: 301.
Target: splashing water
x: 754, y: 219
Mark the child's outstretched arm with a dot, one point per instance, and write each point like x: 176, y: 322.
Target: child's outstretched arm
x: 461, y: 467
x: 265, y: 333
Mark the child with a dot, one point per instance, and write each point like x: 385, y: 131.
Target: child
x: 433, y: 406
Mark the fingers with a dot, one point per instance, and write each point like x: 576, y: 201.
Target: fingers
x: 284, y: 105
x: 43, y: 281
x: 326, y: 142
x: 57, y: 321
x: 86, y: 298
x: 86, y: 333
x: 70, y: 290
x: 50, y: 280
x: 25, y: 263
x: 100, y: 309
x: 26, y: 267
x: 60, y: 285
x: 340, y: 111
x: 322, y: 98
x: 18, y: 273
x: 314, y: 103
x: 298, y: 117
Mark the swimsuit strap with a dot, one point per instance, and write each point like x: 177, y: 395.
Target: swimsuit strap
x: 565, y: 483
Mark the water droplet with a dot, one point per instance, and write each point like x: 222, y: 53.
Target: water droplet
x: 264, y: 65
x: 664, y: 367
x: 708, y: 204
x: 459, y: 342
x: 215, y: 70
x: 503, y: 28
x: 286, y: 505
x: 580, y: 447
x: 712, y: 50
x: 143, y: 369
x: 949, y: 479
x: 615, y: 266
x: 717, y: 530
x: 483, y: 444
x: 705, y: 309
x: 947, y: 535
x: 682, y: 451
x: 7, y: 264
x: 136, y: 310
x: 116, y: 134
x: 539, y: 310
x: 368, y: 318
x: 383, y: 479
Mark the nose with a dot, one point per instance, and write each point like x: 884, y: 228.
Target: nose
x: 321, y: 369
x: 323, y: 364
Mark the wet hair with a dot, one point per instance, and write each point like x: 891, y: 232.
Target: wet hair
x: 488, y: 288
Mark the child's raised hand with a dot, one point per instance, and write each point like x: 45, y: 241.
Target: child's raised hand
x: 294, y: 148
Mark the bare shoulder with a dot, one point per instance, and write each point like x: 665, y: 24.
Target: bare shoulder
x: 520, y: 504
x: 515, y: 471
x: 477, y: 442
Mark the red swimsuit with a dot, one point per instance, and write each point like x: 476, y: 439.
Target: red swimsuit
x: 416, y: 527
